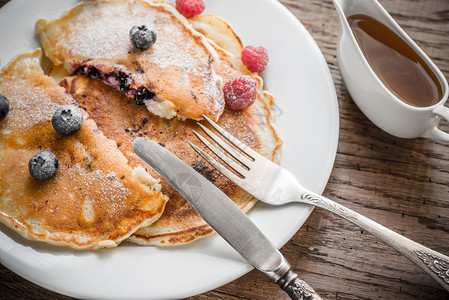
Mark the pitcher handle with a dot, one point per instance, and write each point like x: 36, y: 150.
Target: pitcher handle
x: 435, y: 132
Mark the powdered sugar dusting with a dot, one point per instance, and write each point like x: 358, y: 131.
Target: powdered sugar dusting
x: 98, y: 186
x: 179, y: 67
x: 104, y: 34
x: 96, y: 39
x: 166, y: 53
x: 28, y: 106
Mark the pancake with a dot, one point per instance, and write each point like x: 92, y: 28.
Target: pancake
x: 95, y: 200
x: 222, y: 37
x: 179, y: 223
x: 175, y: 77
x: 120, y: 120
x: 229, y: 46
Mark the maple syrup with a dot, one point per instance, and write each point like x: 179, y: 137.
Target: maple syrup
x: 395, y: 63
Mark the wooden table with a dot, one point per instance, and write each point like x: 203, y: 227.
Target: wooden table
x: 402, y: 184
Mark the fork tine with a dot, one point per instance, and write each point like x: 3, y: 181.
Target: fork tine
x: 244, y: 148
x: 223, y: 170
x: 230, y: 162
x: 237, y: 155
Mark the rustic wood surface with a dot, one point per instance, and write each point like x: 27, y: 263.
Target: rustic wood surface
x: 402, y: 184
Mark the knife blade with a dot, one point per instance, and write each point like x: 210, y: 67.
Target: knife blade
x: 226, y: 218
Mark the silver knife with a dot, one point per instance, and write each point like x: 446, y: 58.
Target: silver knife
x: 226, y: 218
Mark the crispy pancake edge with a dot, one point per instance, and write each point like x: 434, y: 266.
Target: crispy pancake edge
x: 148, y: 212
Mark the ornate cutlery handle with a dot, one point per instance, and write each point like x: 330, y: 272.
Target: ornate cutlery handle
x: 433, y: 263
x: 296, y: 288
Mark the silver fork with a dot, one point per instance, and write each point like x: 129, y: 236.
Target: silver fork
x: 274, y: 185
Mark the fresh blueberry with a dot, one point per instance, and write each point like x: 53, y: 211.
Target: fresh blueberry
x: 67, y: 119
x: 4, y: 107
x: 142, y: 36
x: 43, y: 166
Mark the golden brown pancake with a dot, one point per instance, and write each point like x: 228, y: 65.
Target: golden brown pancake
x: 222, y: 35
x: 180, y: 223
x: 93, y: 201
x: 229, y: 47
x: 176, y: 76
x: 120, y: 120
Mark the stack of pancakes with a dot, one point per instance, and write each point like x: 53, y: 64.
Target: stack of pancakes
x: 103, y: 193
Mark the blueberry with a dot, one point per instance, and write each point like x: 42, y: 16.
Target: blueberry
x: 43, y: 166
x: 143, y: 94
x: 142, y: 36
x: 4, y: 107
x: 67, y: 119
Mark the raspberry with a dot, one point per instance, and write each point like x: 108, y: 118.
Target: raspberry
x: 255, y: 58
x: 190, y: 8
x: 240, y: 92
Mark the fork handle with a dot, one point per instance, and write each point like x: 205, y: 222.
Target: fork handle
x: 432, y: 262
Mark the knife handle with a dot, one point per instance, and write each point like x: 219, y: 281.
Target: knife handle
x: 296, y: 288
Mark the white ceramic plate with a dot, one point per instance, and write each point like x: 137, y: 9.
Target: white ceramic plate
x: 307, y: 120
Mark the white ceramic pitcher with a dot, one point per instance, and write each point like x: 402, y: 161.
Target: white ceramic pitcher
x: 373, y: 98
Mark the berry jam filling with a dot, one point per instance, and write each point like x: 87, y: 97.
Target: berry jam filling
x: 117, y: 79
x: 142, y: 94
